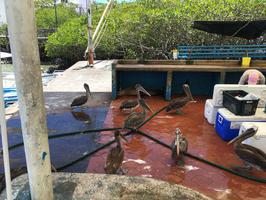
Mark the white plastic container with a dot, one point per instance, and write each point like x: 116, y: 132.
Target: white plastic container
x: 210, y: 111
x: 258, y: 90
x: 258, y: 140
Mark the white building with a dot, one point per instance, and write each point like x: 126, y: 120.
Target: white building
x: 2, y: 13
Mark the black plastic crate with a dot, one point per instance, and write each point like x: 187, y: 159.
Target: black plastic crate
x: 239, y: 107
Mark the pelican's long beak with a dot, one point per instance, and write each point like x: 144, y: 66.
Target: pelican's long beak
x: 248, y: 133
x: 141, y: 89
x: 123, y: 137
x: 235, y: 139
x: 188, y: 92
x: 146, y: 106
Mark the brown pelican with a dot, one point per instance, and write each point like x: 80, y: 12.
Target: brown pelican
x: 177, y: 103
x: 179, y: 145
x: 136, y: 118
x: 79, y: 101
x: 250, y: 155
x: 81, y: 116
x: 115, y: 156
x: 133, y: 103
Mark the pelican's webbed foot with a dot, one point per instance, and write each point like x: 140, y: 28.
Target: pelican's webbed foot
x: 121, y: 171
x: 181, y: 163
x: 179, y: 112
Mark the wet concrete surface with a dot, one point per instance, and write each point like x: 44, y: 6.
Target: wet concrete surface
x: 144, y: 157
x: 63, y: 150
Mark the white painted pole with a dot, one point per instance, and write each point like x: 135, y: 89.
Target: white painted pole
x: 26, y: 61
x: 4, y: 137
x: 90, y: 42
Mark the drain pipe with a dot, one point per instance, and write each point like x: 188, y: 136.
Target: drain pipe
x: 26, y: 61
x: 4, y: 137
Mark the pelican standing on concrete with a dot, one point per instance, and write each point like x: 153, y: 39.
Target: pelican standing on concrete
x: 137, y: 118
x: 179, y: 146
x: 132, y: 104
x: 180, y: 102
x: 115, y: 156
x: 81, y: 100
x: 249, y: 154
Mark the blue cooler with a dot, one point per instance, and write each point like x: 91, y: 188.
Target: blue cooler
x: 228, y: 124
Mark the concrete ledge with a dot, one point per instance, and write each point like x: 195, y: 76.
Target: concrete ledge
x: 68, y: 186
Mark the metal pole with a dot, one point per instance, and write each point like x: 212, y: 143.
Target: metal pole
x: 55, y: 14
x: 24, y: 48
x: 4, y: 137
x: 90, y: 43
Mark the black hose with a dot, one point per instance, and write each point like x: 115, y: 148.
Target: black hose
x: 260, y: 180
x: 252, y: 178
x: 66, y: 135
x: 89, y: 153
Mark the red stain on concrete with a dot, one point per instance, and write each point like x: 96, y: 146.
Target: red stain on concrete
x: 144, y: 157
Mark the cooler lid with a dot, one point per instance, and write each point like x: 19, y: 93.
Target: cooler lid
x: 259, y: 115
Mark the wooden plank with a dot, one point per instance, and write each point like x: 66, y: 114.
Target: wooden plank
x: 184, y: 68
x: 222, y: 77
x: 168, y: 87
x: 114, y: 81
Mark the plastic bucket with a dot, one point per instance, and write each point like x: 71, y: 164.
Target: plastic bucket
x: 246, y: 61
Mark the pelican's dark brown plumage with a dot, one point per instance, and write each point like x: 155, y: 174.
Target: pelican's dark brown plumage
x: 79, y: 101
x: 137, y: 118
x: 133, y: 103
x: 179, y: 145
x: 180, y: 102
x: 249, y: 154
x: 115, y: 156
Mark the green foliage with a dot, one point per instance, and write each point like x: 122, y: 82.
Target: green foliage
x: 69, y: 42
x: 151, y: 28
x: 3, y: 31
x: 45, y: 15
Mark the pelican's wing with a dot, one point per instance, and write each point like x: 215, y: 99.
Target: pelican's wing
x: 134, y: 119
x: 183, y: 144
x: 176, y: 103
x: 129, y: 104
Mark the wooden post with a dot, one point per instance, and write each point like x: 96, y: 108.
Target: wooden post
x: 168, y: 87
x: 26, y: 61
x: 114, y: 80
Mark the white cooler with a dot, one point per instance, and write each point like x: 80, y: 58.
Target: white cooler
x: 210, y: 111
x: 258, y: 140
x: 258, y: 90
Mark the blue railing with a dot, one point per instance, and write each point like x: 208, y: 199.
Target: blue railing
x: 222, y: 52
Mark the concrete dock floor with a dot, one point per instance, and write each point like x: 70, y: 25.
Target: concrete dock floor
x: 144, y: 157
